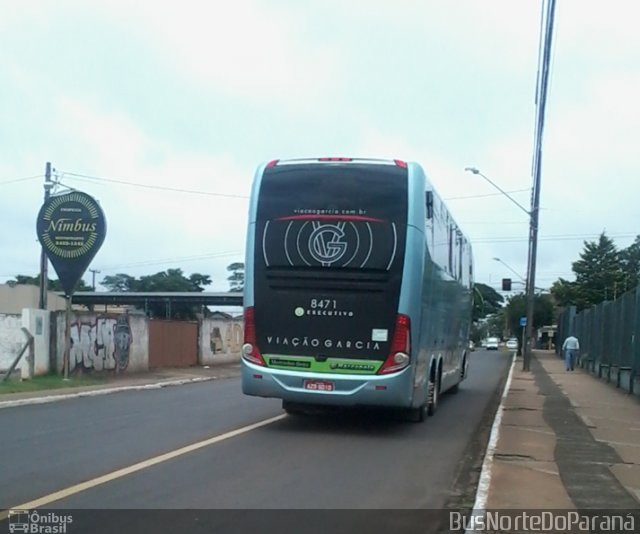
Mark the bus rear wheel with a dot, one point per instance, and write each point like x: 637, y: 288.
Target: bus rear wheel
x: 416, y: 415
x: 434, y: 395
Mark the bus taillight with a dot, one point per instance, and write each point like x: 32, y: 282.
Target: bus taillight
x: 400, y: 353
x: 250, y: 350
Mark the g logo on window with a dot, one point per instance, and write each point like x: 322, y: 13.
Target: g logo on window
x: 326, y: 243
x: 329, y: 242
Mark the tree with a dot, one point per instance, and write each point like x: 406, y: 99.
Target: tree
x: 236, y: 280
x: 487, y: 301
x: 52, y: 285
x: 119, y: 282
x: 599, y: 274
x: 171, y: 280
x: 564, y: 292
x: 495, y: 324
x: 516, y: 307
x: 630, y: 264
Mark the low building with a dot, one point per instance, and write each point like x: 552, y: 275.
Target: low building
x: 16, y: 297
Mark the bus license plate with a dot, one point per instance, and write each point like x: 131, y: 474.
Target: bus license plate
x: 319, y: 385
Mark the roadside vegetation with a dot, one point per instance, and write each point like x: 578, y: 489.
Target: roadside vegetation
x: 602, y: 272
x: 50, y: 381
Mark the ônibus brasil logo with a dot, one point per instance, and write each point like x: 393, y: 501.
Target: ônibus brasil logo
x: 34, y: 522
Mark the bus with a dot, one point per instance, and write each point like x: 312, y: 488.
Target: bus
x: 358, y: 287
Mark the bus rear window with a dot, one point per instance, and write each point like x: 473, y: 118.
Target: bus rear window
x: 332, y: 216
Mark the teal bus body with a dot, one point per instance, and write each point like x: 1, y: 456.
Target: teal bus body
x: 358, y: 286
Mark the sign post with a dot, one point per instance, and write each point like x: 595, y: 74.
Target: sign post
x: 71, y: 228
x: 523, y: 324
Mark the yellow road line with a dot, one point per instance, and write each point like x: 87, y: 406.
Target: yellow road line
x: 83, y: 486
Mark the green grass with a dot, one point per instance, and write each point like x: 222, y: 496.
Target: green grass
x: 45, y: 382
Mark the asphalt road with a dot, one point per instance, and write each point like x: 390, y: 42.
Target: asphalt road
x: 348, y: 461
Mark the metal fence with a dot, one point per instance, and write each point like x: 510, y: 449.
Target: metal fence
x: 608, y: 335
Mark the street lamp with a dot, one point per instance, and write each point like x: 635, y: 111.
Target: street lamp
x: 511, y: 269
x: 476, y: 171
x: 540, y: 290
x: 531, y: 260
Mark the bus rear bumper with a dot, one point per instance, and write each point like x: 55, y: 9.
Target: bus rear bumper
x: 393, y: 390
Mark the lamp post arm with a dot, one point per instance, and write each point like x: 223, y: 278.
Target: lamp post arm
x: 511, y: 269
x: 476, y: 171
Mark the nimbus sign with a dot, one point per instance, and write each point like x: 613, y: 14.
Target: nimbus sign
x: 71, y: 229
x: 38, y: 522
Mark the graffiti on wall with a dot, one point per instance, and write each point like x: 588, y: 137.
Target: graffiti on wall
x: 226, y: 338
x: 102, y: 343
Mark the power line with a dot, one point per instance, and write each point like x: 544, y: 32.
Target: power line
x: 560, y: 237
x: 163, y: 261
x: 500, y: 223
x: 486, y: 195
x: 15, y: 180
x: 88, y: 178
x: 173, y: 260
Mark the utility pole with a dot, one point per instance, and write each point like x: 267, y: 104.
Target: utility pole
x: 541, y: 101
x: 93, y: 277
x: 44, y: 262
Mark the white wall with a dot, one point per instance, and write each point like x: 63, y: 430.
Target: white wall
x: 38, y: 322
x: 221, y: 341
x: 104, y: 342
x: 12, y: 339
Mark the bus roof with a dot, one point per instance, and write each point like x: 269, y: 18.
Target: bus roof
x: 308, y: 161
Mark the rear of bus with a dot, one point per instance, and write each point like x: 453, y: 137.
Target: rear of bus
x: 324, y: 265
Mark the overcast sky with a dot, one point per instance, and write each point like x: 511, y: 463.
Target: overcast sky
x: 192, y: 96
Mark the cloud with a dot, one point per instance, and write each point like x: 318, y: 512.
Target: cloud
x: 192, y: 95
x: 148, y: 229
x: 249, y: 50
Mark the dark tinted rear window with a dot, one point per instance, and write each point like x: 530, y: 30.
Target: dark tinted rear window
x: 332, y: 215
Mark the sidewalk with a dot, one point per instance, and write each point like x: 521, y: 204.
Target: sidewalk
x: 566, y: 440
x: 155, y: 378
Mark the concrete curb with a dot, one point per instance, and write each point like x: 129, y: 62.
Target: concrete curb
x: 484, y: 482
x: 104, y: 391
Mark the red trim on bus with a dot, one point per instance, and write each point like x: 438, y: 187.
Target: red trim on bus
x: 272, y: 163
x: 400, y: 163
x: 401, y: 343
x: 250, y: 337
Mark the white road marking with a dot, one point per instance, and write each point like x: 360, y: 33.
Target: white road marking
x: 480, y: 504
x: 83, y: 486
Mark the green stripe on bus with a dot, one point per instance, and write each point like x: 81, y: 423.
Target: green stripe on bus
x: 331, y: 365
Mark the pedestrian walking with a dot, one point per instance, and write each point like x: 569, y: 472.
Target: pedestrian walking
x: 570, y: 347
